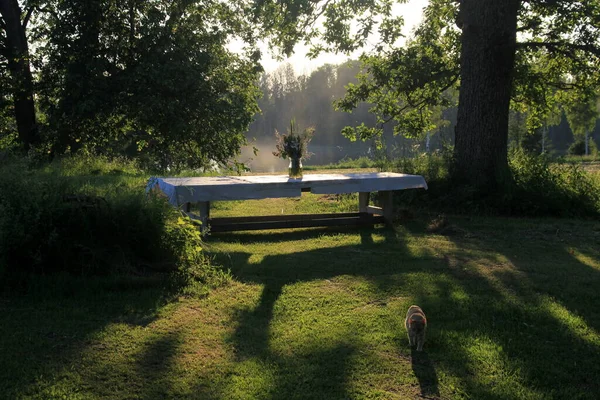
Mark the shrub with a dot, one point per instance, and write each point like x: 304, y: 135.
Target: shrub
x: 93, y: 218
x: 577, y: 148
x: 538, y: 187
x: 433, y: 167
x: 541, y: 187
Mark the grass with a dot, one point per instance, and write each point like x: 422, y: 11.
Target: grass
x: 583, y: 159
x: 347, y: 163
x: 307, y: 204
x: 318, y: 313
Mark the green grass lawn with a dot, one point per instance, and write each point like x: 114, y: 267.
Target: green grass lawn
x: 513, y: 309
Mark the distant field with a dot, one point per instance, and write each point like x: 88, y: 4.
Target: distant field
x: 592, y: 166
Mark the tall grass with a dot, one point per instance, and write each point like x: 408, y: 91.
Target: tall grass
x: 89, y: 217
x: 538, y: 186
x: 542, y: 187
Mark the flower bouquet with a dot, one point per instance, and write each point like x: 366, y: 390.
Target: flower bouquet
x: 294, y: 145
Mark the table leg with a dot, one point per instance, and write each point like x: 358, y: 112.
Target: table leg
x: 204, y: 208
x: 363, y: 201
x: 386, y: 198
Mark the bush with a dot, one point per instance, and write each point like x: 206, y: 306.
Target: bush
x: 433, y: 167
x: 541, y: 187
x: 577, y: 148
x: 93, y: 218
x: 538, y: 187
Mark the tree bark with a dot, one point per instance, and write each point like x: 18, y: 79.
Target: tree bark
x: 489, y: 37
x: 17, y: 52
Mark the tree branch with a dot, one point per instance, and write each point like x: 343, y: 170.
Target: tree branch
x: 47, y: 10
x: 562, y: 47
x: 530, y: 25
x: 419, y: 104
x: 565, y: 85
x: 3, y: 45
x: 27, y: 17
x: 310, y: 21
x: 381, y: 124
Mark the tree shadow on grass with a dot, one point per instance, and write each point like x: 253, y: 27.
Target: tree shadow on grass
x: 275, y: 272
x: 489, y: 310
x: 322, y: 372
x: 498, y: 328
x: 522, y: 308
x: 44, y: 335
x: 124, y: 372
x: 155, y: 367
x: 323, y: 377
x: 252, y: 334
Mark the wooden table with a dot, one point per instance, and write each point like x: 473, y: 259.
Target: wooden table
x: 183, y: 192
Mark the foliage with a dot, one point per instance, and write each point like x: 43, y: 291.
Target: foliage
x: 582, y: 159
x: 73, y: 217
x: 154, y: 80
x: 308, y: 99
x: 151, y: 80
x: 547, y: 47
x: 538, y: 187
x: 582, y: 112
x: 520, y: 135
x: 410, y: 85
x: 577, y: 148
x: 405, y: 84
x: 545, y: 188
x: 293, y: 145
x: 433, y: 167
x: 347, y: 24
x: 8, y: 129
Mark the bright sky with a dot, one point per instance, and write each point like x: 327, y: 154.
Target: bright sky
x: 411, y: 11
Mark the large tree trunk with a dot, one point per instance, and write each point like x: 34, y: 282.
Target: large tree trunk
x: 17, y: 52
x: 487, y: 62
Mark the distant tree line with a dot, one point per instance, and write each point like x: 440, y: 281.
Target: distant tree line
x: 311, y: 98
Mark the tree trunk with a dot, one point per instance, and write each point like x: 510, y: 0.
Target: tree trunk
x: 487, y: 62
x: 17, y: 53
x: 544, y: 139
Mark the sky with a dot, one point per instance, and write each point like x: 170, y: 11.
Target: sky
x: 411, y: 11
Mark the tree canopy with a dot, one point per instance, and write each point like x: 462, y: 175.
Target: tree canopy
x: 155, y: 79
x: 152, y: 79
x: 516, y: 53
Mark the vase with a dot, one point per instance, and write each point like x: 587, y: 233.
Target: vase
x: 295, y: 168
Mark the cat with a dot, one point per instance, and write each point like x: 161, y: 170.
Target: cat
x: 416, y: 324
